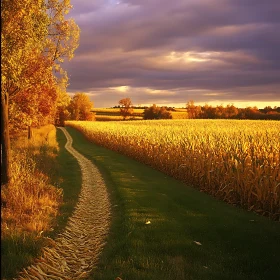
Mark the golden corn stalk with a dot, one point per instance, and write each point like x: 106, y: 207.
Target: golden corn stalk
x: 237, y: 161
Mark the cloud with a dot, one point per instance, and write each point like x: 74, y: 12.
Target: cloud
x: 201, y: 50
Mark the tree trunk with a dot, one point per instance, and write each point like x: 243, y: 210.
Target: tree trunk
x: 30, y: 132
x: 5, y: 140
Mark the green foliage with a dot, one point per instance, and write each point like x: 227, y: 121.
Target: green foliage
x: 155, y: 112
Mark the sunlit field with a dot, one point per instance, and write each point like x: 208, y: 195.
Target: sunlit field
x: 107, y: 118
x: 115, y: 110
x: 113, y: 114
x: 236, y: 161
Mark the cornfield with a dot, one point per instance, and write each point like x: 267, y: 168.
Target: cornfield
x: 236, y: 161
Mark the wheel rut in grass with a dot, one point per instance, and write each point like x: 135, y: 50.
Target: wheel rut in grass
x: 74, y: 253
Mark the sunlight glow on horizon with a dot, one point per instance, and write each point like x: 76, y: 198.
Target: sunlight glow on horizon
x: 238, y: 104
x: 121, y: 88
x: 186, y: 57
x: 103, y: 98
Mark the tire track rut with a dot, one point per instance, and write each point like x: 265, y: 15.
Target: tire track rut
x: 75, y: 252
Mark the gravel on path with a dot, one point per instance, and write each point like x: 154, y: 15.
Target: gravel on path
x: 75, y: 252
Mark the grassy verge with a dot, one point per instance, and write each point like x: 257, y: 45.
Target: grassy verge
x: 69, y: 178
x: 32, y: 207
x: 235, y: 244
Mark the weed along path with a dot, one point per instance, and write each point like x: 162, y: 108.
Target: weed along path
x: 75, y: 252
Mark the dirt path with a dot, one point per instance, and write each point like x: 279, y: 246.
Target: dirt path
x: 75, y: 252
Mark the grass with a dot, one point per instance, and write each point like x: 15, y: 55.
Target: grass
x: 29, y: 204
x: 69, y: 178
x: 236, y: 244
x: 237, y: 161
x: 18, y: 251
x: 32, y: 207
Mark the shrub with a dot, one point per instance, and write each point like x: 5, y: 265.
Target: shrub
x: 155, y: 112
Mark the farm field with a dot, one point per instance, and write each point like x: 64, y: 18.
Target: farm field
x: 113, y: 114
x: 163, y: 229
x: 236, y: 161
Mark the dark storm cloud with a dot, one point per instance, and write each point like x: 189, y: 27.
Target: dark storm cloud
x: 203, y: 50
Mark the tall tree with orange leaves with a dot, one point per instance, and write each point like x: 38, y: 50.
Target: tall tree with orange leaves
x: 35, y: 40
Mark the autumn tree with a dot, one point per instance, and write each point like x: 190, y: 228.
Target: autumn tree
x: 23, y: 28
x: 126, y: 109
x: 62, y: 36
x: 62, y: 107
x: 193, y: 110
x: 35, y: 40
x: 34, y: 105
x: 155, y: 112
x: 80, y: 107
x: 209, y: 112
x: 231, y: 111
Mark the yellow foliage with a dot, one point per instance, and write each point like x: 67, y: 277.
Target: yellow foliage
x: 30, y: 202
x: 237, y: 161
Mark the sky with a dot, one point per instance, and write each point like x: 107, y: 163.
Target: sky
x: 169, y: 52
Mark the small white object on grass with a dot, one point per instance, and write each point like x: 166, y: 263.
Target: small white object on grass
x: 148, y: 222
x: 197, y: 243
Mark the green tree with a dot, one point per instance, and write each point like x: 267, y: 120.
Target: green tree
x: 126, y: 109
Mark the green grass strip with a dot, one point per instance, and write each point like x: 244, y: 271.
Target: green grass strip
x: 235, y: 244
x: 68, y: 177
x: 19, y: 250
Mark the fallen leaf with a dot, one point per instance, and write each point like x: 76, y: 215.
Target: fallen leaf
x: 197, y: 243
x: 148, y: 222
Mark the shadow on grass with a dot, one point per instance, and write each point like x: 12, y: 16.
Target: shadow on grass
x: 69, y: 177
